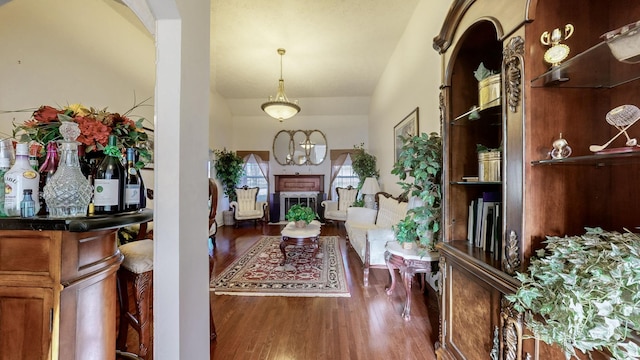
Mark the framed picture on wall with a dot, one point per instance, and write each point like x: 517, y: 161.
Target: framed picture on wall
x: 406, y: 127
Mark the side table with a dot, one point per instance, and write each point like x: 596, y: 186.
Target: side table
x: 292, y: 235
x: 409, y: 262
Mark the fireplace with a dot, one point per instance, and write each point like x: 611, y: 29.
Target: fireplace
x: 290, y: 190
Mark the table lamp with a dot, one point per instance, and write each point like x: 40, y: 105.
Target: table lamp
x: 369, y: 189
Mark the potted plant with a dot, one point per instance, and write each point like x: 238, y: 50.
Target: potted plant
x: 583, y: 292
x: 363, y: 164
x: 421, y: 160
x: 301, y: 215
x: 228, y: 166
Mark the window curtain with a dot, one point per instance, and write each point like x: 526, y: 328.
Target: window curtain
x: 336, y: 164
x: 261, y: 158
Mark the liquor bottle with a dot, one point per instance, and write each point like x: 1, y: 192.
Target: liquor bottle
x: 27, y: 205
x: 48, y: 168
x: 68, y: 193
x: 33, y: 161
x: 132, y: 183
x: 85, y: 166
x: 109, y: 181
x: 5, y: 165
x: 21, y: 176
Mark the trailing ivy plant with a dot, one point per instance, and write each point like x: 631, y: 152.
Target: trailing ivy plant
x: 228, y: 166
x: 363, y: 164
x: 583, y: 292
x: 419, y: 166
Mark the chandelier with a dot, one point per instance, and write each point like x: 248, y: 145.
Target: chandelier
x: 280, y: 108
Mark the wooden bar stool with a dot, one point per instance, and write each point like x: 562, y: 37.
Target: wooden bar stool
x: 136, y: 272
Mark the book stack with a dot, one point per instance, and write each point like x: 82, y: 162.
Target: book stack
x: 484, y: 225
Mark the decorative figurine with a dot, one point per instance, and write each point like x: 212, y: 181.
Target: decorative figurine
x: 557, y: 52
x: 561, y: 149
x: 621, y: 117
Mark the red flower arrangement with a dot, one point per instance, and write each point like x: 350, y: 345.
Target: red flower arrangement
x: 95, y: 128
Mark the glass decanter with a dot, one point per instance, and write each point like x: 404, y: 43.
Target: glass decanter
x: 68, y: 193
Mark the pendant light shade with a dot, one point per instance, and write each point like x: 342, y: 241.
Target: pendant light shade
x: 280, y: 107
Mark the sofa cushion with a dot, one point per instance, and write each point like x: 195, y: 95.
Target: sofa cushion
x: 390, y: 212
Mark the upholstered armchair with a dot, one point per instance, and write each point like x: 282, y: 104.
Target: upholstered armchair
x: 337, y: 210
x: 368, y: 230
x: 247, y: 206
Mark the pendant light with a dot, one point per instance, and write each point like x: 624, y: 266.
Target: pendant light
x: 280, y: 108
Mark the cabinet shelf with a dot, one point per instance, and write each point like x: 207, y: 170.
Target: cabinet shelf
x: 580, y: 72
x: 489, y: 112
x: 596, y: 159
x: 472, y: 183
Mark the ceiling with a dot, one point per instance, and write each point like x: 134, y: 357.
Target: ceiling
x: 334, y: 48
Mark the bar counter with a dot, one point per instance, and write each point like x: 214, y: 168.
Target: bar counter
x: 58, y: 286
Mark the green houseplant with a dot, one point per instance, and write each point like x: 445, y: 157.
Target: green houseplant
x: 298, y: 213
x: 583, y: 292
x: 228, y: 166
x: 363, y: 164
x: 420, y: 160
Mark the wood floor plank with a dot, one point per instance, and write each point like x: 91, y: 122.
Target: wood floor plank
x: 367, y: 325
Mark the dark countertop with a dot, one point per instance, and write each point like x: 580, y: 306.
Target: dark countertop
x: 81, y: 224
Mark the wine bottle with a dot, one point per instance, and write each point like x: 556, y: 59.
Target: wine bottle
x: 21, y: 176
x: 48, y: 168
x: 109, y: 181
x: 132, y: 183
x: 5, y: 165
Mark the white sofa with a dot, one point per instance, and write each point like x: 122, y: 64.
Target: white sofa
x: 368, y: 230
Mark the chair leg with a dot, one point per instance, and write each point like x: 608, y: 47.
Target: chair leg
x: 212, y: 325
x: 142, y: 286
x: 123, y: 302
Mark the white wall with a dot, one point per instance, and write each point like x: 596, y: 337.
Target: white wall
x: 48, y: 60
x: 220, y: 130
x: 258, y: 132
x: 410, y: 80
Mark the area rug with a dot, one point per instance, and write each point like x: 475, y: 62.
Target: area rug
x: 258, y: 272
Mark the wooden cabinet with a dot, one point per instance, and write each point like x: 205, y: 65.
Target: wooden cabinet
x: 540, y: 196
x: 58, y: 287
x: 26, y: 315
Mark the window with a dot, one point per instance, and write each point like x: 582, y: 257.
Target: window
x: 344, y: 178
x: 253, y: 177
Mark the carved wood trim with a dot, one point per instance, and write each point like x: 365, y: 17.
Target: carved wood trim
x: 457, y: 10
x: 511, y: 324
x: 512, y: 62
x: 511, y: 258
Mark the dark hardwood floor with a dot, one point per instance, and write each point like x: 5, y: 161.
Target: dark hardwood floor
x: 367, y: 325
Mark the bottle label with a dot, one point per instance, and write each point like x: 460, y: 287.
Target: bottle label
x: 106, y: 192
x: 132, y: 194
x: 16, y: 180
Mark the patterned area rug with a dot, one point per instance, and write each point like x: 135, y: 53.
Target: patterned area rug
x: 258, y: 272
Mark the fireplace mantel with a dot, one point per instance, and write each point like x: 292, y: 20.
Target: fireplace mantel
x: 308, y: 182
x: 305, y: 189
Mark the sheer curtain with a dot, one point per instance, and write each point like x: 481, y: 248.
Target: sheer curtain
x: 339, y: 159
x: 261, y: 159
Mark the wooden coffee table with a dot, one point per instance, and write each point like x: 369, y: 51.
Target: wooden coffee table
x: 292, y: 235
x: 409, y: 262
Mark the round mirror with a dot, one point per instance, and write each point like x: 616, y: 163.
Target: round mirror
x: 300, y: 147
x: 282, y: 148
x: 318, y: 147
